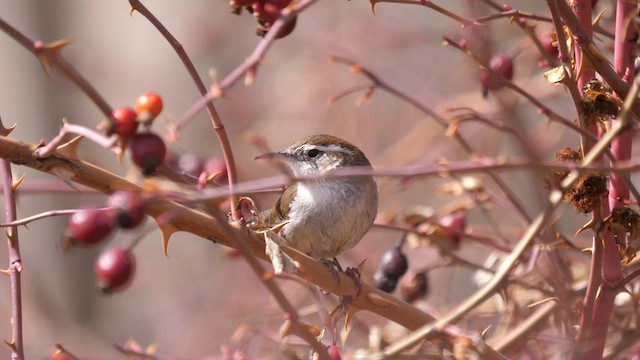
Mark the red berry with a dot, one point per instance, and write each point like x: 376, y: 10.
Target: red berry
x: 287, y: 28
x: 148, y: 106
x: 452, y: 225
x: 59, y: 355
x: 547, y: 44
x: 129, y: 208
x: 217, y: 166
x: 147, y: 151
x: 394, y: 263
x: 190, y: 164
x: 90, y: 226
x: 125, y: 122
x: 114, y: 269
x: 242, y: 3
x: 268, y: 11
x: 334, y: 352
x: 501, y: 64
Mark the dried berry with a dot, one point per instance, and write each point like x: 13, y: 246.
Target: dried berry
x: 125, y: 122
x: 394, y: 263
x: 90, y: 226
x: 414, y: 287
x: 147, y: 151
x: 500, y: 64
x: 384, y: 282
x: 114, y: 269
x: 129, y: 208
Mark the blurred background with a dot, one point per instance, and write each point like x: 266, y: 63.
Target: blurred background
x: 191, y: 302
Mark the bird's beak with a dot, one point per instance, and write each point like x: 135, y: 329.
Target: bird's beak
x: 275, y: 155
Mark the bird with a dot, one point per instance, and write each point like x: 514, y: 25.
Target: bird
x: 326, y: 215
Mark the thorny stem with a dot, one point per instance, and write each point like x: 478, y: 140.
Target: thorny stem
x: 426, y: 3
x: 599, y: 61
x: 269, y: 282
x: 219, y: 128
x: 48, y: 149
x: 593, y: 336
x: 569, y: 73
x: 15, y: 262
x: 43, y: 215
x: 461, y: 167
x: 503, y: 271
x: 51, y: 56
x: 436, y: 117
x: 250, y: 63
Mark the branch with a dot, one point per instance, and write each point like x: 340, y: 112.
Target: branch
x: 210, y: 228
x: 221, y: 133
x: 15, y: 262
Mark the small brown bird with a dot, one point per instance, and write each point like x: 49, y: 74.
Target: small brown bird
x: 327, y: 215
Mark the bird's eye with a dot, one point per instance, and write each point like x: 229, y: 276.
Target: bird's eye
x: 313, y: 153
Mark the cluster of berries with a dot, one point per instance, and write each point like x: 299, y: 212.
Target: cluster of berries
x: 147, y: 149
x: 393, y: 265
x: 266, y: 13
x: 115, y: 266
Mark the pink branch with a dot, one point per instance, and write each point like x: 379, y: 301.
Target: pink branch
x: 621, y: 146
x: 218, y: 127
x: 15, y: 262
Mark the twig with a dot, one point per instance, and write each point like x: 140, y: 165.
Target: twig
x: 218, y: 126
x: 50, y: 148
x: 50, y: 55
x: 599, y: 61
x: 357, y: 68
x: 43, y: 215
x: 249, y: 63
x: 15, y: 262
x: 427, y: 3
x: 510, y: 261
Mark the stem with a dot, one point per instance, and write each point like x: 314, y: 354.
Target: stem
x: 15, y: 262
x: 50, y: 55
x: 503, y: 271
x: 221, y: 133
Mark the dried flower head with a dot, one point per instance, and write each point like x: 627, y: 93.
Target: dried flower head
x: 587, y: 192
x: 599, y: 102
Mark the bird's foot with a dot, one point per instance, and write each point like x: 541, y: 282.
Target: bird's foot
x: 352, y: 272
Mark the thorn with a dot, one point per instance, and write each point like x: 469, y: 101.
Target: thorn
x: 120, y: 149
x: 48, y: 53
x: 166, y: 230
x: 131, y: 10
x: 70, y: 148
x: 5, y: 272
x: 16, y: 183
x: 6, y: 131
x: 373, y: 6
x: 250, y: 76
x: 11, y: 344
x: 590, y: 225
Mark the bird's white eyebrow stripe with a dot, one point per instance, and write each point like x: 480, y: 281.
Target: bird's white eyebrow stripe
x: 330, y: 148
